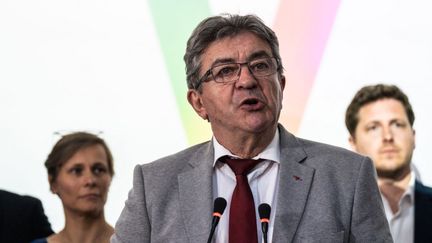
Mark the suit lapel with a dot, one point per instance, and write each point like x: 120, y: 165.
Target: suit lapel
x: 422, y: 212
x: 295, y: 180
x: 195, y: 193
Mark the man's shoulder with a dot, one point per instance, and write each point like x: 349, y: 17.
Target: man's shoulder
x: 422, y: 212
x: 314, y: 148
x: 320, y: 155
x: 422, y: 189
x: 23, y: 218
x: 332, y: 158
x: 15, y: 204
x: 10, y: 198
x: 181, y: 158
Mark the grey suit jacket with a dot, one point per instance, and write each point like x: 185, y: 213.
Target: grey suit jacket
x: 326, y: 194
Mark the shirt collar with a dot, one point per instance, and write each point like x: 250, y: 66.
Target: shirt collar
x: 408, y: 196
x: 410, y: 189
x: 406, y: 201
x: 271, y: 152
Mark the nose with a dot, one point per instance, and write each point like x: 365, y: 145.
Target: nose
x: 89, y: 180
x: 387, y: 135
x: 246, y: 79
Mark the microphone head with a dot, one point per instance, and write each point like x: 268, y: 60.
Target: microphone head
x: 219, y: 205
x: 264, y: 211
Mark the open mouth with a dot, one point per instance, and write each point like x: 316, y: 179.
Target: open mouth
x: 252, y: 104
x: 251, y: 101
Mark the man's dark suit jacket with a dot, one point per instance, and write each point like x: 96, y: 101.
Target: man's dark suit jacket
x: 22, y: 218
x: 422, y: 213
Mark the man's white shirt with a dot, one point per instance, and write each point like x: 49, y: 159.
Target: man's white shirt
x: 262, y: 181
x: 402, y: 222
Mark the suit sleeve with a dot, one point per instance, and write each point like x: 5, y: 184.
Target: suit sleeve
x: 41, y: 225
x: 133, y: 224
x: 368, y: 223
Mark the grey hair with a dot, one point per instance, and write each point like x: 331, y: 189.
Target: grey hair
x: 221, y: 26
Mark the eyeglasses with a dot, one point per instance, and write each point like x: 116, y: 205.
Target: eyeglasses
x: 230, y: 72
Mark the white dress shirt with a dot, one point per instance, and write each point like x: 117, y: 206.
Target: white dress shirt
x: 262, y: 180
x: 402, y: 222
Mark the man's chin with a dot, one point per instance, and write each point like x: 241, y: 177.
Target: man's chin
x: 394, y: 173
x: 260, y: 127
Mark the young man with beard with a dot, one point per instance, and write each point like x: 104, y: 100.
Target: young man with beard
x: 380, y: 122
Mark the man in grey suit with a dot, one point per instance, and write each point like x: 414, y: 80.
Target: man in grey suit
x: 317, y: 192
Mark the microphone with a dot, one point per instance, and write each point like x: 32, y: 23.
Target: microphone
x: 264, y: 212
x: 218, y: 209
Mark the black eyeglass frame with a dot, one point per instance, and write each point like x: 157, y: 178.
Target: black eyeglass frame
x: 205, y: 77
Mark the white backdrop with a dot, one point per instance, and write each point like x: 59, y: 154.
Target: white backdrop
x: 96, y: 65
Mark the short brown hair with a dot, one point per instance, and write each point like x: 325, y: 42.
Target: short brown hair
x: 371, y: 93
x: 68, y: 145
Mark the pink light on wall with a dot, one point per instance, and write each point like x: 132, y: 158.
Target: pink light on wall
x: 303, y: 28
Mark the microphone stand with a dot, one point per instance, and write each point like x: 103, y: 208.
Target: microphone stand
x: 264, y: 211
x: 264, y: 230
x: 215, y: 221
x: 219, y: 207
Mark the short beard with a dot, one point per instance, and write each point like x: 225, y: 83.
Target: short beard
x: 396, y: 174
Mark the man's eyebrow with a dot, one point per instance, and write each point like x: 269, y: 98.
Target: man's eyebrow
x: 222, y: 61
x: 372, y: 122
x: 395, y: 120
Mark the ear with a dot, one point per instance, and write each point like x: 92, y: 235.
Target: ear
x: 282, y: 82
x: 195, y: 100
x: 352, y: 142
x: 414, y: 133
x: 52, y: 185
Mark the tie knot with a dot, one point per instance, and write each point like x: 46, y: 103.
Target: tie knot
x: 240, y: 166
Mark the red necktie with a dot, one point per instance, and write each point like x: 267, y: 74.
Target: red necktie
x: 242, y: 221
